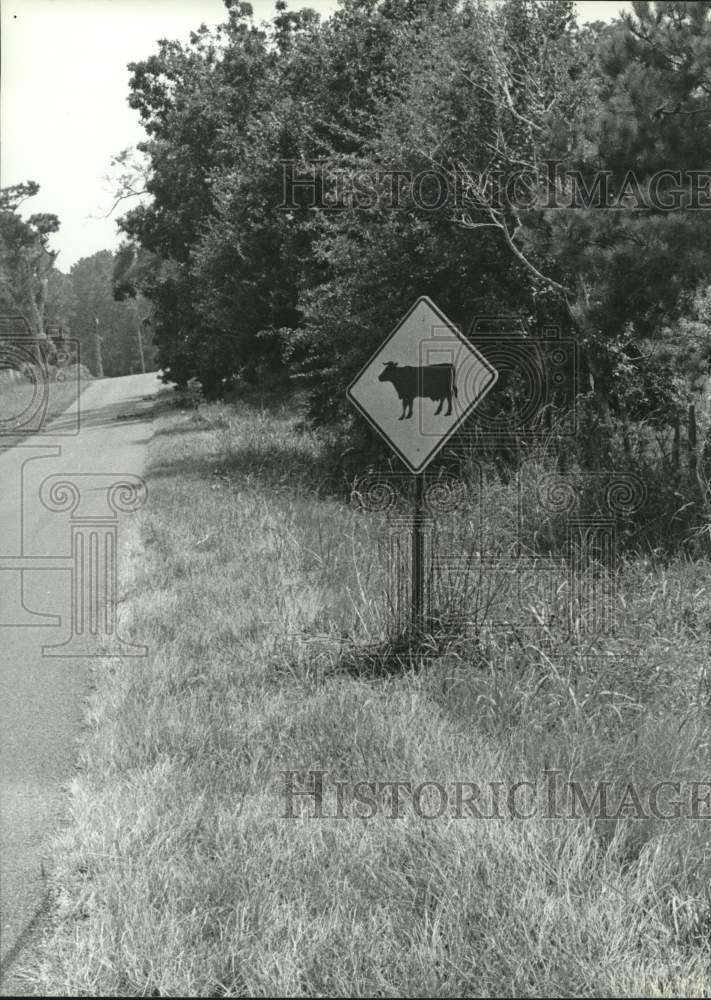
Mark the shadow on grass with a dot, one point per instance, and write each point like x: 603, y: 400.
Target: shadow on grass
x: 194, y: 427
x: 267, y: 398
x: 328, y: 470
x: 285, y: 465
x: 275, y: 468
x: 408, y: 650
x: 391, y: 657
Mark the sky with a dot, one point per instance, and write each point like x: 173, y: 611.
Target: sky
x: 63, y: 98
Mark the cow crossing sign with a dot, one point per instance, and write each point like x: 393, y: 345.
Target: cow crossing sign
x: 421, y: 384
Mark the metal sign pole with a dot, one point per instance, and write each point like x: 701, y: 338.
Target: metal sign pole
x: 418, y: 560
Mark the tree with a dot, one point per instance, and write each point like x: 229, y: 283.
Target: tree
x: 96, y: 313
x: 26, y: 260
x: 467, y: 95
x: 194, y: 101
x: 60, y: 302
x: 479, y: 101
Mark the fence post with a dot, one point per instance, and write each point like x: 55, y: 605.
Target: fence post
x: 693, y: 458
x: 698, y: 485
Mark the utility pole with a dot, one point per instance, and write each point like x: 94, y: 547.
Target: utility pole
x: 97, y: 349
x: 139, y: 335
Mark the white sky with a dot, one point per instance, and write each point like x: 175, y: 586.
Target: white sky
x: 64, y: 112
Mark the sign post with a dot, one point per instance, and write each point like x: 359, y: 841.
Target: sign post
x: 418, y: 388
x: 418, y: 557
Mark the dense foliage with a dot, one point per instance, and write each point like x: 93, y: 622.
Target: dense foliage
x: 26, y: 260
x: 309, y: 178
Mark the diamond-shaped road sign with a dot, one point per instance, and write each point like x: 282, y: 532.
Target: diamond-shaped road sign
x: 421, y: 384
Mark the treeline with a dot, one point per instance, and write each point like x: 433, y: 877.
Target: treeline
x: 114, y: 337
x: 310, y: 178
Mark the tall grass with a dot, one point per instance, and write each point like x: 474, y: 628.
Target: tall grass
x: 264, y: 603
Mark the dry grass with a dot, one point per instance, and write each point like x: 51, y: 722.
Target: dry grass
x: 181, y: 873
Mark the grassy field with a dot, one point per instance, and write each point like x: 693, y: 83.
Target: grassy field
x: 192, y: 866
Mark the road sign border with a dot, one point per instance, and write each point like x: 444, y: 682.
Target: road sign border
x: 462, y: 337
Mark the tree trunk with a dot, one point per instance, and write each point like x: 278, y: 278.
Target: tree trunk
x: 35, y: 317
x: 692, y: 445
x: 698, y: 484
x: 676, y: 446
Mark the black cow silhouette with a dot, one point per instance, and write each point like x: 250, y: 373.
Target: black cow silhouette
x: 428, y: 381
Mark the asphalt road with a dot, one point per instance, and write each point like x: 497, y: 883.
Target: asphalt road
x: 41, y: 605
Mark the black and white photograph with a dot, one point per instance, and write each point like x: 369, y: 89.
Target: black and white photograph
x: 355, y: 498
